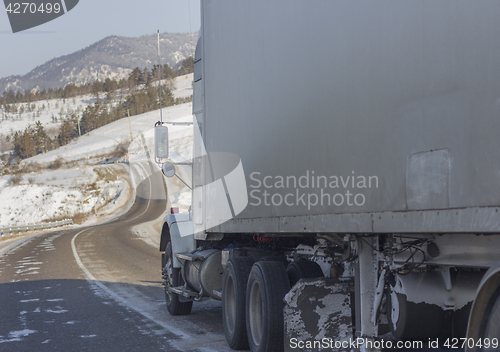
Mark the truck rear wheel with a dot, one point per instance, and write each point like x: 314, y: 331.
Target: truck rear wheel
x: 302, y: 270
x: 492, y: 326
x: 412, y: 321
x: 234, y: 288
x: 267, y: 285
x: 275, y: 258
x: 172, y: 278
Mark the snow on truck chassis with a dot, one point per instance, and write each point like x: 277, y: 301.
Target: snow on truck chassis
x: 404, y: 93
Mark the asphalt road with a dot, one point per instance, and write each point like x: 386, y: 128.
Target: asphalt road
x: 99, y: 289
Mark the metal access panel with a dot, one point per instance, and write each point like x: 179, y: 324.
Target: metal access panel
x: 352, y: 107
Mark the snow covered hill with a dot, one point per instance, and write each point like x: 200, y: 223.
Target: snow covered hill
x: 113, y: 57
x: 81, y: 188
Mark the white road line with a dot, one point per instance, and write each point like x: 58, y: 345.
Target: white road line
x: 92, y: 280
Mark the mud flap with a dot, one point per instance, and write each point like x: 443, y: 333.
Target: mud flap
x: 318, y: 315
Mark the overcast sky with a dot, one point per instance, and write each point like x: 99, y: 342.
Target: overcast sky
x: 89, y: 22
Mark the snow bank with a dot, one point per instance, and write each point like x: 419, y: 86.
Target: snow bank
x: 55, y: 194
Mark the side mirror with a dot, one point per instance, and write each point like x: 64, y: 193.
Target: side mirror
x: 168, y: 169
x: 161, y: 142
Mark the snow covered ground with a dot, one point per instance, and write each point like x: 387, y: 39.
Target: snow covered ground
x: 58, y: 194
x: 183, y: 86
x: 81, y: 189
x: 49, y: 112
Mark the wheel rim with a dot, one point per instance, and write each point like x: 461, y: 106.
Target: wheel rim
x: 230, y: 304
x: 256, y: 314
x: 168, y: 278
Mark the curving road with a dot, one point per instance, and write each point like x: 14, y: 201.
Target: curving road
x: 99, y: 288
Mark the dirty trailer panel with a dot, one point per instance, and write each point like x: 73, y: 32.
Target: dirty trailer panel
x: 396, y: 103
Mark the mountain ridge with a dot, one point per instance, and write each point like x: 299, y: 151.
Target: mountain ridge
x: 113, y: 57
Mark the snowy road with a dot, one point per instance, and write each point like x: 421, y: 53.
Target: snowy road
x: 99, y: 289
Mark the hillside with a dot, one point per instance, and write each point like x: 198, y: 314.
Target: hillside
x: 83, y: 189
x: 112, y: 57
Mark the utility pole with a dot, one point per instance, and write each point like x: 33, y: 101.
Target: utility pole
x: 159, y: 74
x: 130, y: 126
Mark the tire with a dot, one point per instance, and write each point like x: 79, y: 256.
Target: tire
x: 491, y: 328
x: 234, y: 288
x: 172, y: 278
x: 275, y: 258
x: 412, y: 321
x: 303, y: 270
x: 267, y: 285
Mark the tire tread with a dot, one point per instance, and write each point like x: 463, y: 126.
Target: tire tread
x: 175, y: 306
x: 276, y: 285
x: 239, y: 268
x: 302, y: 270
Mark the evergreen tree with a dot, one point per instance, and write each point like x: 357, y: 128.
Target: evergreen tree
x: 23, y: 144
x: 40, y: 139
x: 97, y: 87
x: 110, y: 85
x: 66, y: 132
x: 187, y: 66
x: 167, y: 72
x: 147, y: 77
x: 134, y: 77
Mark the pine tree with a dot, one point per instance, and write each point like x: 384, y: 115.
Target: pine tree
x: 134, y: 77
x: 23, y: 144
x: 40, y: 139
x: 66, y: 132
x: 187, y: 66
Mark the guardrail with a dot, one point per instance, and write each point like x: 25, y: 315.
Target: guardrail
x: 26, y: 228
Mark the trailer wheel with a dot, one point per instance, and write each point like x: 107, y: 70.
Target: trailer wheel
x: 267, y: 285
x: 303, y: 270
x: 492, y: 327
x: 172, y: 278
x: 484, y: 318
x: 275, y: 258
x: 234, y: 288
x: 412, y: 321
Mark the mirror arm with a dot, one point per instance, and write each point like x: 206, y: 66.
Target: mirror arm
x: 180, y: 179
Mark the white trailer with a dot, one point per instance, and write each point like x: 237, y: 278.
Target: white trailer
x: 343, y: 135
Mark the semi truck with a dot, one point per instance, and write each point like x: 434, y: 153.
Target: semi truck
x: 345, y: 174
